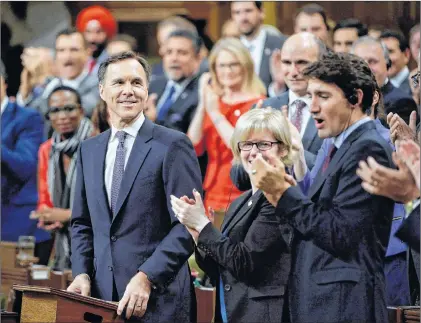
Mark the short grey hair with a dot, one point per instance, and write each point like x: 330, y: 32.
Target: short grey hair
x: 372, y: 40
x: 257, y: 120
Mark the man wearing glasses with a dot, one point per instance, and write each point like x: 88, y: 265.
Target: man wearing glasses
x: 57, y: 167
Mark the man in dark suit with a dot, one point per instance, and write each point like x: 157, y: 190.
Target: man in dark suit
x: 173, y: 100
x: 127, y: 244
x: 399, y: 53
x: 21, y: 136
x: 340, y: 231
x: 249, y: 18
x: 375, y: 53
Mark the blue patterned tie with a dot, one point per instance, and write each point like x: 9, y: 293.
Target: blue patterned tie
x: 118, y: 169
x: 163, y: 111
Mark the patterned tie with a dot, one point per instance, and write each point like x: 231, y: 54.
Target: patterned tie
x: 163, y: 111
x: 332, y: 151
x: 298, y: 116
x: 118, y: 169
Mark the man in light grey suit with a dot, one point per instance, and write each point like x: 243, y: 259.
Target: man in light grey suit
x: 71, y: 57
x: 249, y: 18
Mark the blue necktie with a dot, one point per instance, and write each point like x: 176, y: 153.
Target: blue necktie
x: 162, y: 113
x: 118, y: 169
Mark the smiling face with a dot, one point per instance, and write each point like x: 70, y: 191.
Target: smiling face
x: 64, y: 112
x: 399, y: 59
x: 96, y: 37
x: 295, y: 57
x: 275, y: 152
x: 330, y: 109
x: 124, y: 90
x: 229, y: 71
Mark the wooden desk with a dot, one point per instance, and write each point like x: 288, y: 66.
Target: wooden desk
x: 404, y: 314
x: 44, y: 304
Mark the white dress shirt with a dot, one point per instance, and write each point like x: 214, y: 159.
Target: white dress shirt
x: 4, y: 104
x: 131, y: 131
x: 256, y: 47
x: 400, y: 77
x: 292, y: 107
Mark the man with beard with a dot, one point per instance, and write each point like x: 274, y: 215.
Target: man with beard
x: 71, y: 57
x: 249, y: 18
x: 98, y: 26
x: 172, y: 101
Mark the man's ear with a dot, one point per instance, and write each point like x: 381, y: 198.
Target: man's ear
x: 407, y: 54
x: 101, y: 91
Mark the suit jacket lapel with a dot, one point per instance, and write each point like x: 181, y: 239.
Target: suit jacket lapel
x: 232, y: 211
x: 309, y: 134
x: 99, y: 171
x: 334, y: 164
x: 140, y: 150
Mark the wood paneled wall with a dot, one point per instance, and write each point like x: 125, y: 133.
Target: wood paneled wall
x: 389, y: 14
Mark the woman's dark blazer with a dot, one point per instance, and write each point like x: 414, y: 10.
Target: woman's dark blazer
x: 252, y: 257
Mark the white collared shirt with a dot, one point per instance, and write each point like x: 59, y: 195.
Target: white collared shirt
x: 4, y: 104
x: 132, y: 132
x: 400, y: 77
x: 292, y: 107
x: 256, y: 47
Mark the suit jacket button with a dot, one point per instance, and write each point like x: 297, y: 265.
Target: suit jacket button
x: 113, y: 238
x: 227, y: 287
x: 110, y: 268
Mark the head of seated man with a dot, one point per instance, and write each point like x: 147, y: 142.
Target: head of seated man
x: 261, y: 131
x: 71, y: 54
x: 65, y: 111
x: 340, y: 94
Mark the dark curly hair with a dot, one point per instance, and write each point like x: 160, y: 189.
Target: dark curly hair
x: 340, y: 69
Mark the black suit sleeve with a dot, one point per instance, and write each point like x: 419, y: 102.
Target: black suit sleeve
x: 240, y: 178
x: 242, y: 259
x: 409, y: 231
x: 337, y: 226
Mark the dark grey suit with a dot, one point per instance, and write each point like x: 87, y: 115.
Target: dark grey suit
x: 272, y: 42
x: 340, y: 237
x: 252, y: 258
x: 182, y: 110
x: 405, y: 87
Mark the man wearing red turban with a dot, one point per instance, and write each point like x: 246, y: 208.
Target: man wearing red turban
x: 98, y: 26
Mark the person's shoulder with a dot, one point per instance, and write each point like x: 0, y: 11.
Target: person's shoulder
x: 277, y: 102
x: 399, y: 94
x: 166, y: 135
x: 276, y: 40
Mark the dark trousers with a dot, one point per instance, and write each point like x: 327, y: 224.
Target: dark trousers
x: 43, y: 251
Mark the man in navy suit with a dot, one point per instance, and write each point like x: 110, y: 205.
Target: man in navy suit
x: 21, y: 136
x: 127, y: 244
x: 340, y: 231
x: 173, y: 99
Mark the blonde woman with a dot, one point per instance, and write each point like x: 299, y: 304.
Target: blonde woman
x: 248, y: 259
x: 227, y: 92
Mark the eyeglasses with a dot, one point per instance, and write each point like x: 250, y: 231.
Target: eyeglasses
x: 230, y: 66
x: 261, y: 145
x: 54, y: 111
x: 416, y: 79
